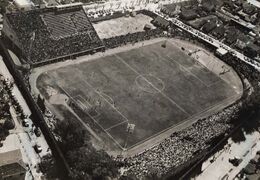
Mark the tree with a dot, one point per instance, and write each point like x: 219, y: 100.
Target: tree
x: 88, y: 161
x: 9, y: 124
x: 49, y: 167
x: 72, y: 134
x: 3, y: 132
x: 85, y: 161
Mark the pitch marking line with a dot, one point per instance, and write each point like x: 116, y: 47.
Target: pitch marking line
x: 84, y: 100
x: 84, y: 105
x: 93, y: 120
x: 109, y: 97
x: 100, y: 94
x: 216, y: 82
x: 145, y: 90
x: 79, y: 119
x: 185, y: 69
x: 111, y: 127
x: 190, y: 120
x: 172, y: 101
x: 118, y: 124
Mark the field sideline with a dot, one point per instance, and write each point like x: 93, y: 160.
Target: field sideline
x: 157, y: 89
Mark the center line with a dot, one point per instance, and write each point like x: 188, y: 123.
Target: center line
x: 164, y: 95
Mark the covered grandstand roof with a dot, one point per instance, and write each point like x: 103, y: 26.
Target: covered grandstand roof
x: 51, y: 33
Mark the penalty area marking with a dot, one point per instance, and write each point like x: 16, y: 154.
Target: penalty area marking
x: 83, y: 104
x: 100, y: 94
x: 116, y: 125
x: 112, y: 102
x: 94, y: 121
x: 111, y: 127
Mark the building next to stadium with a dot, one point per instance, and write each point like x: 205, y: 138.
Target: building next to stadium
x: 48, y: 34
x: 12, y: 165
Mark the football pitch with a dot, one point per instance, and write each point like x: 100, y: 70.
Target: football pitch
x: 152, y: 87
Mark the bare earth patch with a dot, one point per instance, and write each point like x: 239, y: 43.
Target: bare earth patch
x: 121, y: 26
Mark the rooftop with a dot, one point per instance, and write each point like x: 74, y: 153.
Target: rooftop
x: 10, y: 153
x: 23, y: 3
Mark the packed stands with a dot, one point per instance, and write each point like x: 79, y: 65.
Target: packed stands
x: 52, y: 34
x: 118, y: 41
x: 181, y: 146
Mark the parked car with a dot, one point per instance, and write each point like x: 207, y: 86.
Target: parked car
x: 37, y: 132
x: 235, y: 161
x: 25, y: 123
x: 37, y: 148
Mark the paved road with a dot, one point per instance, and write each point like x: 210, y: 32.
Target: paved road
x: 128, y: 5
x: 254, y: 2
x: 26, y: 138
x: 221, y: 168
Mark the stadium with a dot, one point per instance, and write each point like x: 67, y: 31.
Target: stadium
x: 155, y: 90
x: 131, y: 86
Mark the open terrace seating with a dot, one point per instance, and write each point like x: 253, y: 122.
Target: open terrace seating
x: 49, y: 35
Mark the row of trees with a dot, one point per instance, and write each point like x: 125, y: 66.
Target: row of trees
x: 84, y: 160
x: 5, y: 101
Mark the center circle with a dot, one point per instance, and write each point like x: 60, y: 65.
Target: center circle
x: 149, y: 83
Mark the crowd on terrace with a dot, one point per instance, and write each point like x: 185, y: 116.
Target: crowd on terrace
x: 181, y: 146
x: 43, y: 37
x: 132, y: 38
x: 72, y: 23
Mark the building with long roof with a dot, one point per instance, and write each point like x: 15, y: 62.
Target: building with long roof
x: 12, y: 166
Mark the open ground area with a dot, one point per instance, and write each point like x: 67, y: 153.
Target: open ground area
x: 122, y: 25
x: 152, y: 87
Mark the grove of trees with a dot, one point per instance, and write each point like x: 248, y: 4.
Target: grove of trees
x: 84, y: 160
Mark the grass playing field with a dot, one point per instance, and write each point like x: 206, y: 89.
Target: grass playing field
x: 153, y: 87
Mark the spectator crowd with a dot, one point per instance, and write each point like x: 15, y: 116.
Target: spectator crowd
x: 40, y: 34
x: 117, y: 41
x: 181, y: 146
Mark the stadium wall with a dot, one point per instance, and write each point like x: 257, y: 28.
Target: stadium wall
x: 71, y: 56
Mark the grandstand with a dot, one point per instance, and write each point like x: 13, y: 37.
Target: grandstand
x: 52, y: 34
